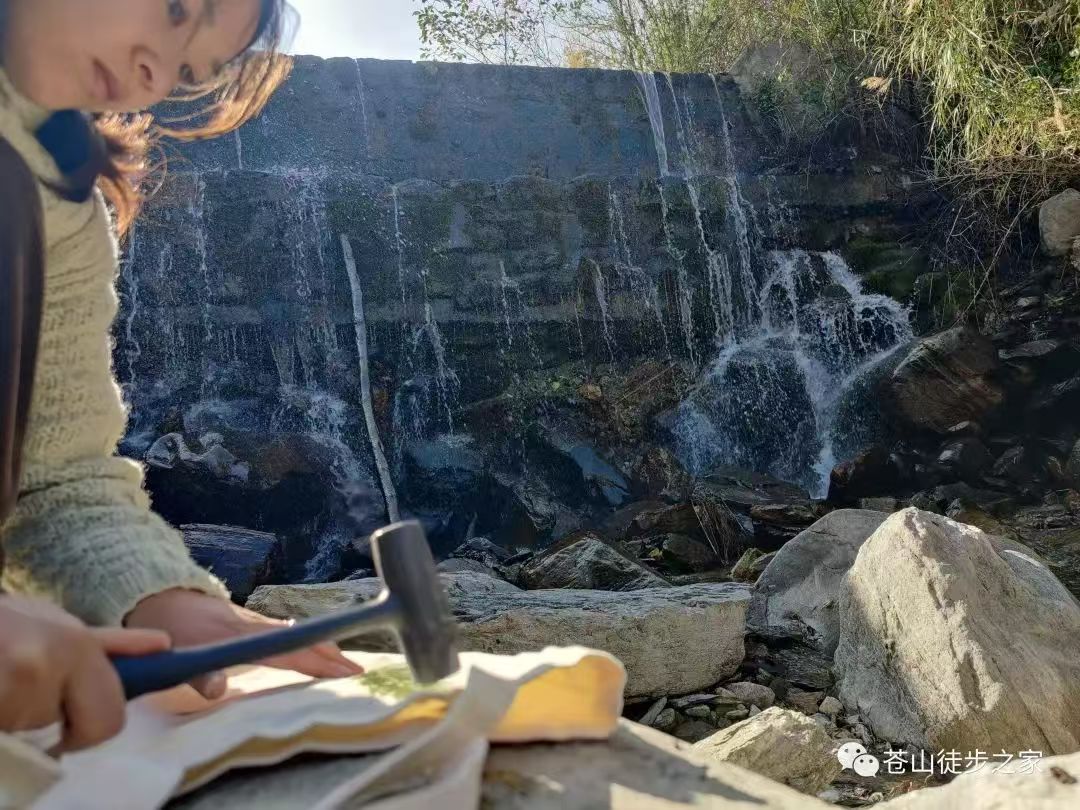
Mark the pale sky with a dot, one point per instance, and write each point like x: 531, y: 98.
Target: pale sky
x: 377, y: 29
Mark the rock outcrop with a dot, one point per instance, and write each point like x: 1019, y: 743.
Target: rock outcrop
x: 797, y: 595
x: 1059, y: 222
x: 671, y: 640
x: 778, y: 743
x: 638, y: 769
x: 243, y: 559
x: 947, y: 379
x: 588, y: 564
x: 1051, y: 784
x: 954, y: 639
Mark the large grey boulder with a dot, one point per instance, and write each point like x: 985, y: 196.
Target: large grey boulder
x: 953, y: 639
x: 1054, y: 784
x: 797, y: 595
x: 588, y: 564
x: 671, y: 640
x: 946, y: 379
x: 781, y: 744
x: 1059, y: 222
x: 637, y: 769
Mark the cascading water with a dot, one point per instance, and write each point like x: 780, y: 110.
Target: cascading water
x: 600, y: 288
x: 323, y: 418
x: 794, y: 333
x: 633, y: 277
x: 494, y: 277
x: 427, y: 396
x: 362, y: 94
x: 683, y: 293
x: 772, y: 402
x: 651, y: 96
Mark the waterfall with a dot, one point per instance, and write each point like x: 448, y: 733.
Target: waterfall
x: 132, y: 348
x: 508, y: 288
x: 651, y: 97
x: 683, y: 293
x: 505, y: 284
x: 198, y: 214
x: 773, y: 401
x: 360, y: 325
x: 634, y: 277
x: 324, y: 416
x: 361, y: 92
x: 602, y: 302
x: 736, y: 210
x: 717, y: 274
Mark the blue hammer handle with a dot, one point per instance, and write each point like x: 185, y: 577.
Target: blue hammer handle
x: 141, y: 675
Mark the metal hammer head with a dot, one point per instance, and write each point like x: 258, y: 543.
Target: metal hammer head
x: 425, y: 626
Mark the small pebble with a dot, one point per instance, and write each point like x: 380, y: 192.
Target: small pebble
x: 654, y: 711
x: 831, y: 706
x: 666, y: 720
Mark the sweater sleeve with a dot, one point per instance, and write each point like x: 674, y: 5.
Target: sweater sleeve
x: 88, y: 540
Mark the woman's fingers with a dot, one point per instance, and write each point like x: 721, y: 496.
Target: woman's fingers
x: 317, y: 665
x: 212, y: 686
x: 119, y: 641
x: 94, y: 705
x: 332, y: 652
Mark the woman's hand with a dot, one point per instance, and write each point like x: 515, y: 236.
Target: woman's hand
x: 54, y: 669
x: 193, y: 619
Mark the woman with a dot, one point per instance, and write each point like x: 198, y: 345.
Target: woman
x: 82, y: 548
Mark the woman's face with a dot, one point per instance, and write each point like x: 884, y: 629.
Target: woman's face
x: 120, y: 55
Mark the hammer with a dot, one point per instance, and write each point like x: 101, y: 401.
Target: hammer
x: 412, y: 604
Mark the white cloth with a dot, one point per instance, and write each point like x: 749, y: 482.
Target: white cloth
x: 436, y: 738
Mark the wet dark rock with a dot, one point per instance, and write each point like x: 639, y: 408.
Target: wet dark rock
x: 742, y: 489
x: 1021, y: 465
x: 482, y: 550
x: 965, y: 458
x: 1034, y: 350
x: 938, y: 499
x: 588, y: 563
x: 872, y: 472
x: 1058, y: 402
x: 679, y: 519
x: 886, y: 504
x: 707, y: 522
x: 776, y: 524
x: 786, y: 663
x: 243, y: 559
x: 967, y: 428
x: 946, y: 379
x: 444, y: 469
x: 683, y: 554
x: 1072, y: 465
x: 524, y: 513
x: 638, y: 398
x: 574, y: 469
x: 658, y: 474
x: 617, y: 525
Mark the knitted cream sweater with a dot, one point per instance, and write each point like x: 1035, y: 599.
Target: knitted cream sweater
x: 82, y: 534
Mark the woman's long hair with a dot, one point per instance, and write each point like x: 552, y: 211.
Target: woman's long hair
x: 122, y: 145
